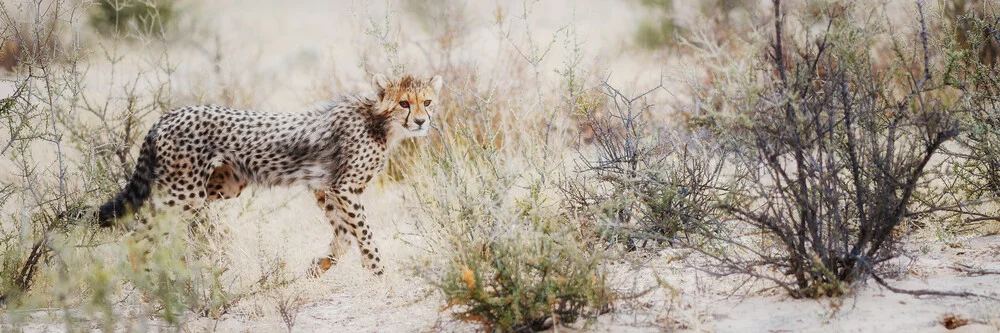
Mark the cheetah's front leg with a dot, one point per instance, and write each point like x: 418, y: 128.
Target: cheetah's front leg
x: 343, y: 207
x: 341, y: 241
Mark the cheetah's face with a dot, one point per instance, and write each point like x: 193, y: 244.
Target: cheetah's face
x: 410, y: 103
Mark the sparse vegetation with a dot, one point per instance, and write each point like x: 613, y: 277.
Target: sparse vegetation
x: 808, y: 146
x: 647, y: 183
x: 63, y: 152
x: 971, y: 69
x: 834, y: 149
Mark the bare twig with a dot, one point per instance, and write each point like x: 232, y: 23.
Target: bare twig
x: 970, y: 270
x: 927, y: 292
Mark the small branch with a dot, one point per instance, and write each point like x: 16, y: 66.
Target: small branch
x: 950, y: 207
x: 981, y: 219
x: 778, y: 56
x: 927, y: 292
x: 974, y: 270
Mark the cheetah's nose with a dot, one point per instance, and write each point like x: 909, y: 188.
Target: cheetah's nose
x: 419, y: 121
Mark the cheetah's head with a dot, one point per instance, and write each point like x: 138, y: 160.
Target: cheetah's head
x: 409, y: 103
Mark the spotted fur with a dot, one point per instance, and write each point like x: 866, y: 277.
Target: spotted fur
x: 199, y: 154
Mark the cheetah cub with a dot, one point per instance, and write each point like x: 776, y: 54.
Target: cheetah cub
x: 199, y: 154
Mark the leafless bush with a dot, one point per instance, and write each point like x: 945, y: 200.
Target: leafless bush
x: 644, y: 184
x: 31, y: 118
x: 831, y: 151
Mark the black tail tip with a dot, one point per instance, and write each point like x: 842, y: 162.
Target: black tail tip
x: 109, y: 212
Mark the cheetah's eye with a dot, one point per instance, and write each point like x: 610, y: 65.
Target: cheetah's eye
x: 427, y: 103
x: 404, y: 104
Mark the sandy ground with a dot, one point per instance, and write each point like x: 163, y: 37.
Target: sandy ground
x: 695, y: 302
x: 276, y: 54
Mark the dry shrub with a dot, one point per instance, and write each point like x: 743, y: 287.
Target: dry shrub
x: 65, y: 150
x: 970, y: 56
x: 831, y: 150
x: 30, y: 120
x: 645, y: 183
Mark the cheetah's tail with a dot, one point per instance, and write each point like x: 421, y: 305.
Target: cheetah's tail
x: 139, y: 186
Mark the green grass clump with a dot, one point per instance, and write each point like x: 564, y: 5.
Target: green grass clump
x: 144, y: 17
x: 520, y: 281
x: 505, y: 259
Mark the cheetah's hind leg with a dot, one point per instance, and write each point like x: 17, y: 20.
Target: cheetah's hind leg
x: 224, y: 183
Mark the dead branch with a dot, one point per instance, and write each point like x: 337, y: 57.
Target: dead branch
x: 928, y: 292
x: 972, y: 271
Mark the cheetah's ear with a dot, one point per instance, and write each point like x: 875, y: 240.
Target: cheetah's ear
x: 436, y: 82
x: 379, y: 83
